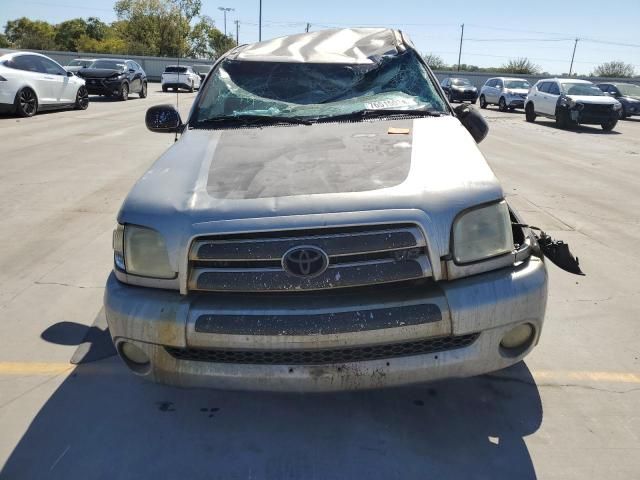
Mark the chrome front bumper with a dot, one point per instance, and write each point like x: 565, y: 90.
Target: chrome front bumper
x: 487, y: 304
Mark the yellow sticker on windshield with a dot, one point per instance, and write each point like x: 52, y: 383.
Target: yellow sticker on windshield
x: 398, y: 131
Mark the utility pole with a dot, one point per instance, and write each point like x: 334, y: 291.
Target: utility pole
x: 225, y: 10
x: 308, y: 27
x: 237, y: 32
x: 260, y: 22
x: 460, y: 51
x: 573, y: 56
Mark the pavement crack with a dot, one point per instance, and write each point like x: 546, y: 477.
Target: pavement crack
x: 38, y: 282
x: 559, y: 385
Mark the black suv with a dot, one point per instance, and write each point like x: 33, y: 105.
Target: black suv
x: 115, y: 78
x: 628, y: 94
x: 459, y: 89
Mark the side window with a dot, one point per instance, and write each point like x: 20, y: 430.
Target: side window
x: 130, y: 65
x: 543, y: 87
x: 554, y: 89
x: 604, y: 87
x: 490, y: 83
x: 26, y: 63
x: 499, y: 83
x: 50, y: 67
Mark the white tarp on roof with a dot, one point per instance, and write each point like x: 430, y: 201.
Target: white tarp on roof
x: 346, y: 45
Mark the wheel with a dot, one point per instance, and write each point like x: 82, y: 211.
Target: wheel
x: 473, y: 101
x: 450, y: 97
x: 529, y: 113
x: 562, y: 118
x: 143, y: 90
x: 124, y: 92
x: 26, y: 103
x: 502, y: 104
x: 191, y: 87
x: 622, y: 113
x: 82, y: 99
x: 607, y: 127
x: 483, y: 102
x: 164, y: 89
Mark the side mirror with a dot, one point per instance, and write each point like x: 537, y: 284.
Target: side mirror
x: 473, y: 121
x: 163, y: 119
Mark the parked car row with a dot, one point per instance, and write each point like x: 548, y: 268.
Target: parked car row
x: 31, y: 82
x: 567, y: 101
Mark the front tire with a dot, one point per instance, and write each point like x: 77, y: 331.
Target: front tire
x: 124, y: 92
x: 483, y: 102
x: 82, y: 99
x: 164, y: 89
x: 26, y: 103
x: 607, y: 127
x: 191, y: 87
x: 502, y: 104
x: 562, y: 118
x: 143, y: 90
x: 530, y: 113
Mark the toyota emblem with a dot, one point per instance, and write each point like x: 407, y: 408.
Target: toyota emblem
x: 305, y: 261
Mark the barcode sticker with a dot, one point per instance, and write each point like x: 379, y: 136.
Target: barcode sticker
x: 392, y: 103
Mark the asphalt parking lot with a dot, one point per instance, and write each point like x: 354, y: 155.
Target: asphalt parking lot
x: 571, y: 410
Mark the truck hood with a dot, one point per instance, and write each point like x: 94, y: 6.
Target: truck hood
x: 225, y: 181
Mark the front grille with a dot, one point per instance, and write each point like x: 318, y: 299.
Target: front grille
x: 326, y: 356
x: 592, y: 109
x: 357, y: 256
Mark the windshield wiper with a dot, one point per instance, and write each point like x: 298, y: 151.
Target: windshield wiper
x: 248, y: 121
x: 380, y: 113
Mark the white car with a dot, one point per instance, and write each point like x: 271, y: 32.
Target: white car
x: 30, y: 82
x: 507, y: 93
x: 570, y: 101
x: 79, y: 64
x: 176, y: 77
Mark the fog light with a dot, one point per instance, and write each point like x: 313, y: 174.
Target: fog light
x: 517, y: 337
x: 133, y: 354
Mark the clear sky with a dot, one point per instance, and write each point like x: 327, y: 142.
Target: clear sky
x: 544, y: 30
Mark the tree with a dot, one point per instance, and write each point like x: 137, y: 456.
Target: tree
x: 4, y: 43
x: 28, y: 34
x: 520, y: 65
x: 220, y: 43
x: 68, y: 33
x: 96, y: 29
x: 435, y: 62
x: 157, y: 27
x: 616, y: 68
x: 199, y: 38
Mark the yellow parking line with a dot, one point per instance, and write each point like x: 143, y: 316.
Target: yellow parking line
x: 34, y: 368
x: 558, y: 376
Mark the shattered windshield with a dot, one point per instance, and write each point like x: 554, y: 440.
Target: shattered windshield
x: 316, y: 90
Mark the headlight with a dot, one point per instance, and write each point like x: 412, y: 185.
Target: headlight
x: 482, y: 233
x: 141, y: 251
x: 567, y: 102
x: 616, y: 106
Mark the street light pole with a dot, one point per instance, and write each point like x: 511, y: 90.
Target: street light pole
x: 260, y: 22
x: 225, y: 10
x: 237, y: 32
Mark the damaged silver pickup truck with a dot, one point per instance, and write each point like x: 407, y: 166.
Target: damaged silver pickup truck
x: 324, y: 222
